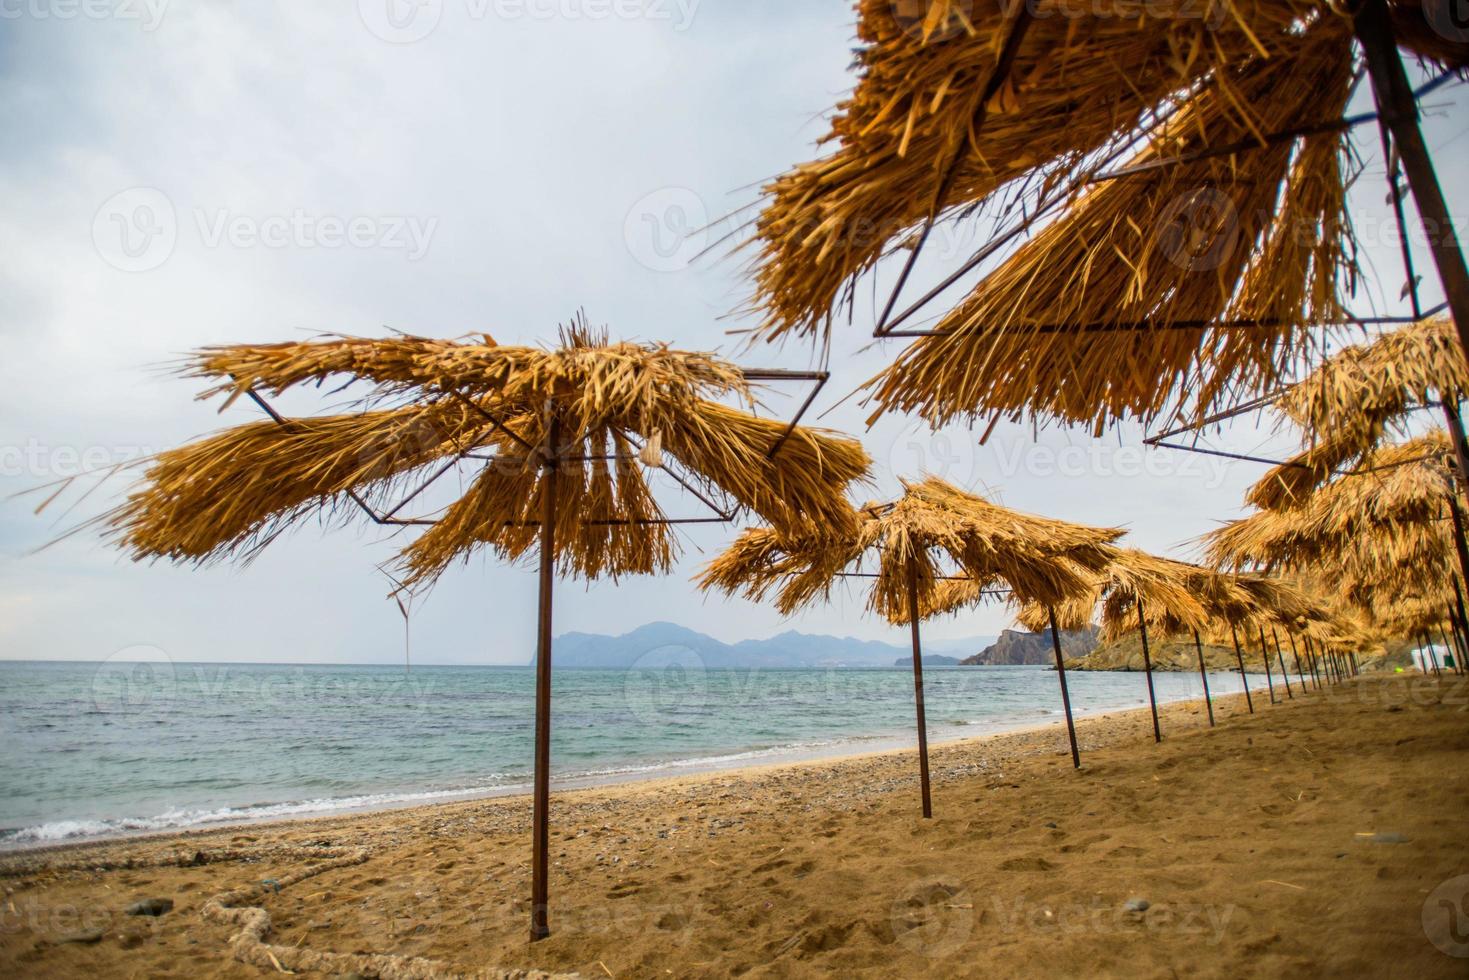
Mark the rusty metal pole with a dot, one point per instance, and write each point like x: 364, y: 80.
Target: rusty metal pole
x: 1296, y: 656
x: 1456, y: 620
x: 1240, y: 659
x: 1284, y: 674
x: 1443, y: 635
x: 1065, y: 695
x: 918, y: 687
x: 1148, y: 670
x: 1265, y: 656
x: 1203, y: 675
x: 1455, y: 423
x: 1463, y: 620
x: 1457, y: 633
x: 1373, y: 27
x: 541, y: 796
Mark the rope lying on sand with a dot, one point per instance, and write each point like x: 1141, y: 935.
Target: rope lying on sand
x: 248, y: 944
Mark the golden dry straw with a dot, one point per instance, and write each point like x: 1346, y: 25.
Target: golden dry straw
x: 931, y: 126
x: 1394, y: 513
x: 1359, y: 396
x: 1176, y: 598
x: 1106, y: 313
x: 607, y: 413
x: 934, y: 532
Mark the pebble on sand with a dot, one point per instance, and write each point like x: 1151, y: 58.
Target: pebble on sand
x: 151, y: 906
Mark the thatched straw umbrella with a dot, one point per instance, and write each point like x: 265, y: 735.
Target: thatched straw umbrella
x: 1134, y: 588
x: 564, y: 437
x: 1130, y: 322
x: 1355, y: 399
x: 1170, y: 282
x: 930, y: 535
x: 1372, y: 533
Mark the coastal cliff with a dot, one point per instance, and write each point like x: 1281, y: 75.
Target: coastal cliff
x: 1174, y: 653
x: 1019, y: 648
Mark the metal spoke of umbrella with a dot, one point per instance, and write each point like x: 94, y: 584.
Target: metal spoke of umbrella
x: 887, y: 325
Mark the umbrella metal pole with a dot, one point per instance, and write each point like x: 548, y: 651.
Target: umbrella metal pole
x: 1204, y: 676
x: 1463, y: 623
x: 1265, y: 656
x: 1065, y: 695
x: 918, y: 688
x: 1456, y: 435
x: 1399, y: 110
x: 1148, y: 671
x: 1296, y: 656
x: 541, y: 794
x: 1461, y: 549
x: 1284, y: 674
x: 1240, y: 659
x: 1457, y: 632
x: 1443, y: 635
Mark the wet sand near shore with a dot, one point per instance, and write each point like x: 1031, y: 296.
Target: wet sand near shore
x: 1318, y: 836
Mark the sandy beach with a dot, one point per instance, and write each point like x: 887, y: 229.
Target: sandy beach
x: 1314, y: 837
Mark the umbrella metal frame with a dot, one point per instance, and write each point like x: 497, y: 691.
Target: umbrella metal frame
x: 550, y: 459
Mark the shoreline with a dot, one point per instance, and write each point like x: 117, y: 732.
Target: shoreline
x: 838, y: 750
x: 1301, y: 840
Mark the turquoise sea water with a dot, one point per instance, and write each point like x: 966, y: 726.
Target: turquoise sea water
x: 102, y: 749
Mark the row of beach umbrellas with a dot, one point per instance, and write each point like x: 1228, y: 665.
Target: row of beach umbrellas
x: 1156, y: 172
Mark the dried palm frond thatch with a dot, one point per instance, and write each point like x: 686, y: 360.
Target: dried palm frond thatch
x: 1176, y: 597
x: 1364, y: 391
x: 564, y: 437
x: 935, y: 532
x: 1106, y: 313
x: 956, y: 100
x: 933, y: 535
x: 1386, y: 514
x: 232, y: 493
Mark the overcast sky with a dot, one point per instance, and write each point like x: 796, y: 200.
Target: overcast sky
x: 193, y: 173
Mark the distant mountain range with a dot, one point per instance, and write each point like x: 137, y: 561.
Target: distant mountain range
x: 663, y: 644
